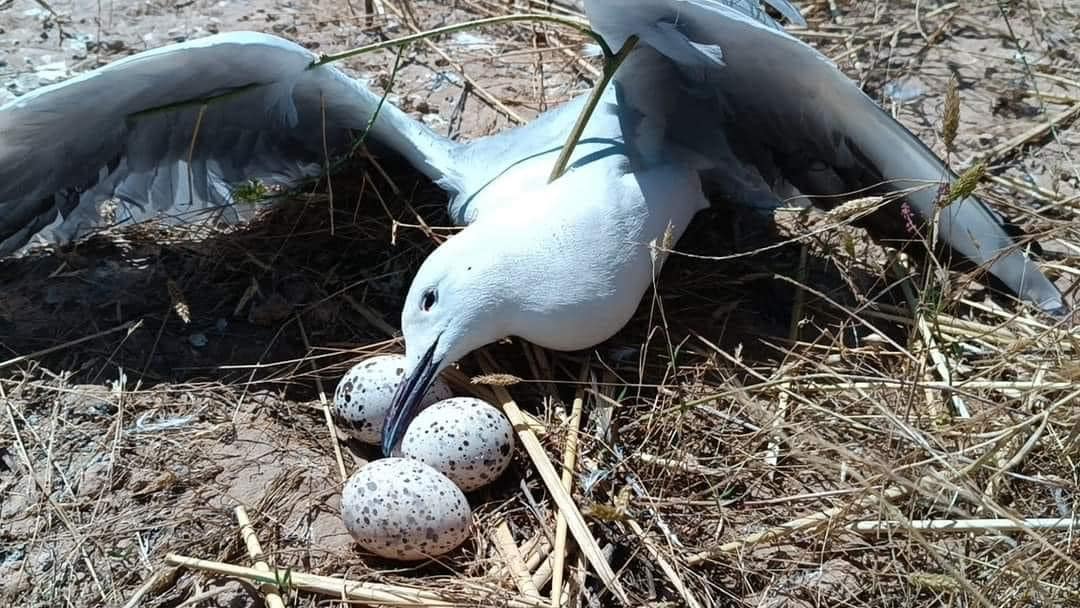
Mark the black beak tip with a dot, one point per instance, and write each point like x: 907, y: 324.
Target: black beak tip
x: 406, y: 402
x: 389, y: 441
x: 398, y: 418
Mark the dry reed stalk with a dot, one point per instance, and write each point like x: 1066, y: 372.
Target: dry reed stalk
x: 484, y: 391
x: 665, y: 565
x: 201, y: 597
x: 1059, y: 524
x: 254, y: 549
x: 570, y: 450
x: 130, y: 327
x: 542, y: 575
x: 772, y: 452
x: 476, y: 87
x: 886, y: 497
x: 533, y: 551
x: 158, y: 578
x: 785, y: 529
x: 373, y: 9
x: 537, y: 555
x: 328, y: 417
x: 374, y: 593
x: 926, y: 336
x: 371, y: 316
x: 1031, y: 190
x: 967, y: 385
x: 682, y: 465
x: 1009, y: 146
x: 540, y: 553
x: 504, y: 543
x: 576, y: 523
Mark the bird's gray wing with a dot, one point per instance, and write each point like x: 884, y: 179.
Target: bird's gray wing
x: 136, y: 131
x: 761, y: 110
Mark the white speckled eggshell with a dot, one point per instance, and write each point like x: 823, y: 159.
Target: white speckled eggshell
x: 363, y: 396
x: 405, y: 510
x: 464, y: 438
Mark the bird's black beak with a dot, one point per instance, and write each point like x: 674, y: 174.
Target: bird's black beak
x: 407, y: 399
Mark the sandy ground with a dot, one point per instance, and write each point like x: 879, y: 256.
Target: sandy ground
x: 140, y: 441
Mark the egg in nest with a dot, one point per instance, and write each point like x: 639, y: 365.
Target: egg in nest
x: 403, y: 509
x: 362, y: 398
x: 464, y: 438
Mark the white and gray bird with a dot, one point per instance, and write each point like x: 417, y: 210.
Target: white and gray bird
x: 716, y: 103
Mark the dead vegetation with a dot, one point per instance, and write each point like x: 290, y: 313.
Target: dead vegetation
x: 804, y: 426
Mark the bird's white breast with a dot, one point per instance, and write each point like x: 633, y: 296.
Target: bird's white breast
x: 581, y: 250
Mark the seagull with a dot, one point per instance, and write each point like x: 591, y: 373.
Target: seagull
x: 714, y: 104
x: 716, y: 101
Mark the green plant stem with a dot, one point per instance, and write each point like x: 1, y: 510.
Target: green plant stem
x: 611, y: 64
x: 378, y: 108
x: 576, y: 24
x: 196, y: 101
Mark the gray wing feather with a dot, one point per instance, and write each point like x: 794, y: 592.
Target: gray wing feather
x: 135, y: 131
x: 759, y: 109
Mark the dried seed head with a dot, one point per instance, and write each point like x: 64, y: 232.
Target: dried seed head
x: 622, y: 499
x: 179, y: 301
x: 935, y: 582
x: 855, y: 208
x: 604, y: 512
x: 659, y: 248
x: 669, y: 237
x: 966, y: 183
x: 496, y: 380
x: 951, y: 121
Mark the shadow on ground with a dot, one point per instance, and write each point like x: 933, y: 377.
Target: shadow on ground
x: 225, y: 308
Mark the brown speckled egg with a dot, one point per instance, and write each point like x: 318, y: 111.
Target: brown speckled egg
x: 405, y: 510
x: 464, y: 438
x: 363, y: 396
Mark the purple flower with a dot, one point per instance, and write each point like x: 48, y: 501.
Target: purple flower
x: 909, y: 218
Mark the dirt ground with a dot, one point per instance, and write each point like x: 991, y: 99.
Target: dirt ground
x: 152, y: 380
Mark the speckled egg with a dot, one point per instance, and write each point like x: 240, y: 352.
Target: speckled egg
x: 465, y: 438
x: 363, y: 396
x: 405, y: 510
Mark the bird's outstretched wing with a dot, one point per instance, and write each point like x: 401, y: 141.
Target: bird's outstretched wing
x: 759, y: 111
x: 145, y: 132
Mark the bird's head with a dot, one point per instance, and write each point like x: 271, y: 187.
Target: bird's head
x: 452, y: 308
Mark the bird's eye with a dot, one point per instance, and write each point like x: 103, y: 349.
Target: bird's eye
x: 428, y: 299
